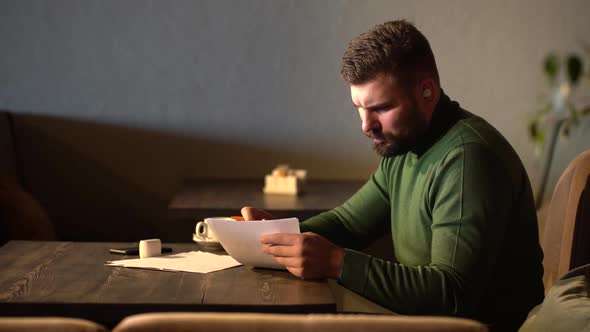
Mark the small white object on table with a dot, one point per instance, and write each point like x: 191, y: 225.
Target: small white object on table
x: 150, y: 248
x: 284, y: 180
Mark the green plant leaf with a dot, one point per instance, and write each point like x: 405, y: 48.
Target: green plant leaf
x: 533, y: 131
x: 551, y: 67
x: 573, y: 118
x: 574, y: 68
x: 540, y: 139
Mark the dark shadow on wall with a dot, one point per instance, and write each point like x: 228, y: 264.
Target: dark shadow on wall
x: 101, y: 182
x: 84, y: 200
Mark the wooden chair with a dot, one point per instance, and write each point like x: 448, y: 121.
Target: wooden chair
x: 254, y: 322
x: 50, y: 324
x: 560, y: 225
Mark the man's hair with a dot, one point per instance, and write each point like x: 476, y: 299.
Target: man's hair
x: 394, y: 47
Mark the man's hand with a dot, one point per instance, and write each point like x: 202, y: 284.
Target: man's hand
x: 251, y: 213
x: 307, y: 255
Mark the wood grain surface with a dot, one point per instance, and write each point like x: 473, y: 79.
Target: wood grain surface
x: 232, y: 194
x: 198, y: 199
x: 70, y: 279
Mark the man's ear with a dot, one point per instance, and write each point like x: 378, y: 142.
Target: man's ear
x: 427, y: 89
x: 428, y: 95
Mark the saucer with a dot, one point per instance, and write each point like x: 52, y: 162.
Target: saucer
x: 208, y: 244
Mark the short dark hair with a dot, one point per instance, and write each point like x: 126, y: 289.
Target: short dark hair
x: 394, y: 47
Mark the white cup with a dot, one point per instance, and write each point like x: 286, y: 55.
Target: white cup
x: 204, y: 232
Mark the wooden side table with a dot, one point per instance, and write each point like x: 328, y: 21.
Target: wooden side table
x: 201, y: 198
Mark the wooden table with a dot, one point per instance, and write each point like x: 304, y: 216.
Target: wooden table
x: 70, y: 279
x: 198, y: 199
x: 201, y: 198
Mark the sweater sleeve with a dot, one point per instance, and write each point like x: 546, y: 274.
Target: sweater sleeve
x: 469, y: 199
x: 360, y: 220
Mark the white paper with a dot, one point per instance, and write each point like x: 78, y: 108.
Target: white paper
x: 193, y: 261
x: 241, y: 239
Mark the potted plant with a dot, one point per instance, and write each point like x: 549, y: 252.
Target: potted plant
x: 559, y: 113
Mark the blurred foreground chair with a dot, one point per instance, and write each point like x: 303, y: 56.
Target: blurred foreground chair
x: 566, y: 306
x: 254, y: 322
x: 566, y: 234
x: 50, y: 324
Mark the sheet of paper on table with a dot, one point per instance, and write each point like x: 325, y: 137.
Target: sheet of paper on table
x: 192, y: 261
x: 241, y: 239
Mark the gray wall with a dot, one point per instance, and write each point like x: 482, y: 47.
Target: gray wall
x: 156, y: 91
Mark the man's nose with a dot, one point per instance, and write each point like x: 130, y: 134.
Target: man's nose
x: 369, y: 120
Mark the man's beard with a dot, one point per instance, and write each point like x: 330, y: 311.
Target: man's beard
x: 394, y: 145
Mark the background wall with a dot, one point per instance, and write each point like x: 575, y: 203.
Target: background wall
x: 151, y: 92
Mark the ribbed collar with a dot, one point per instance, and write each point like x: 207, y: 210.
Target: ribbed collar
x: 445, y: 115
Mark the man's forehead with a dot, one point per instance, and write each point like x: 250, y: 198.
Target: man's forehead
x: 379, y: 89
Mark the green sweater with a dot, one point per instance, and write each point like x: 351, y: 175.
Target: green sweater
x: 461, y: 213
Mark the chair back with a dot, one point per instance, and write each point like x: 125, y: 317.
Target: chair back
x: 255, y: 322
x: 49, y: 324
x: 8, y: 162
x: 558, y: 234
